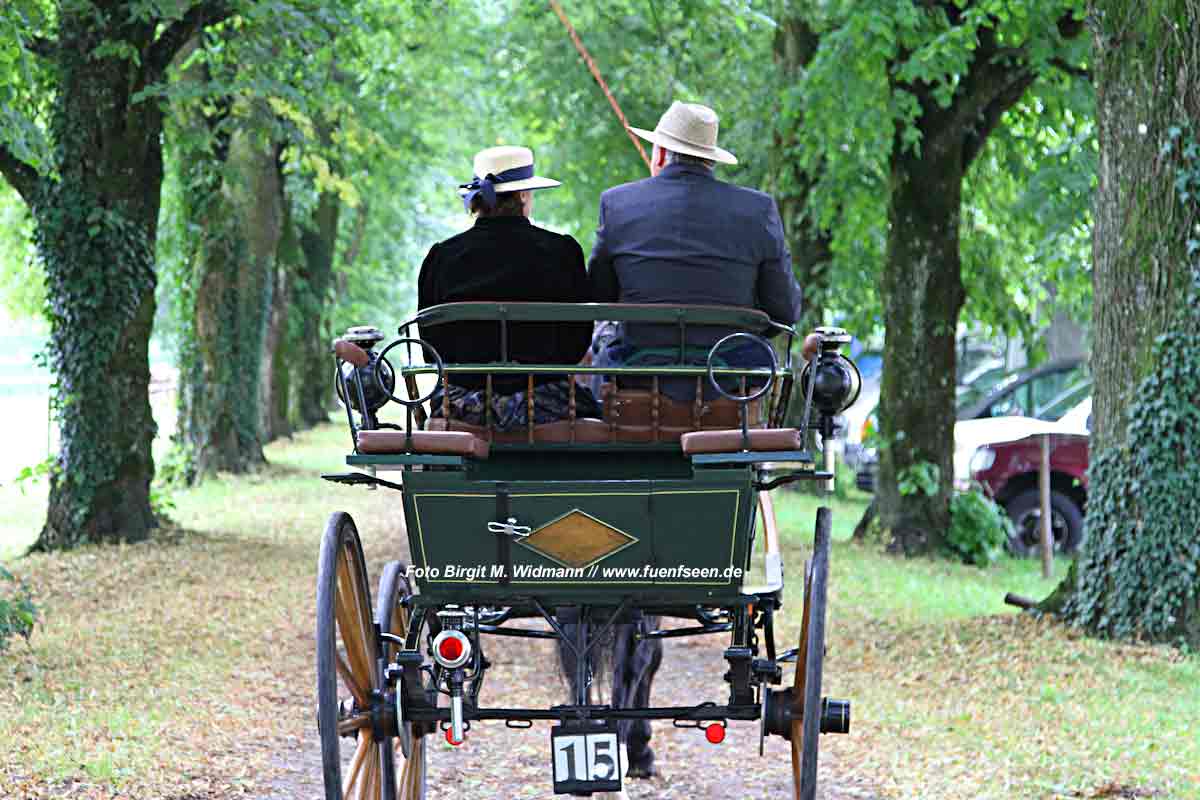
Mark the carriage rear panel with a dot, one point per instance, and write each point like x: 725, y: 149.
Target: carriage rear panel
x: 653, y: 538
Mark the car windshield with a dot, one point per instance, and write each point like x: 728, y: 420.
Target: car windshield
x: 982, y: 384
x: 1065, y: 401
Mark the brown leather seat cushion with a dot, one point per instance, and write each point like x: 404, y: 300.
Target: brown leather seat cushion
x: 587, y: 431
x: 444, y: 443
x: 730, y: 441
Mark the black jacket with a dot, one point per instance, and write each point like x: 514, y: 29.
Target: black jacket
x: 505, y: 258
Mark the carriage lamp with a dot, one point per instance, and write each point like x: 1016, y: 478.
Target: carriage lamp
x: 451, y: 649
x: 836, y: 380
x: 374, y: 390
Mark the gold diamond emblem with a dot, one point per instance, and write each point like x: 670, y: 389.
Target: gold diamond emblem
x: 577, y: 540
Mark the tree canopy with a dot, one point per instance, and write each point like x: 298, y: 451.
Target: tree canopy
x: 363, y: 115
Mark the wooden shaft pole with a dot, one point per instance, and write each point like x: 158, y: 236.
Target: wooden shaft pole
x: 1044, y: 488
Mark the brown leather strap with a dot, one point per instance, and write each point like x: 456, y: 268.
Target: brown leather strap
x: 350, y: 352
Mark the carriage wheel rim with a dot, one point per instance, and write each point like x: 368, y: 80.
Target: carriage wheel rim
x: 806, y: 735
x: 347, y: 668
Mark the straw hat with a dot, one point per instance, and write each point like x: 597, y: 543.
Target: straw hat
x: 691, y: 129
x: 510, y: 168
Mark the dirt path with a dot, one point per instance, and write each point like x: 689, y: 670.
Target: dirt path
x: 500, y: 762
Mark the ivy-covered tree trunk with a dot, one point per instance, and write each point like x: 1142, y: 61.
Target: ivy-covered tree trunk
x: 794, y: 47
x: 318, y: 240
x: 238, y: 215
x: 95, y: 207
x: 1137, y: 572
x: 264, y: 230
x: 275, y: 385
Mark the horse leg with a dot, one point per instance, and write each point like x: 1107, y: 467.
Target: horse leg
x: 638, y: 664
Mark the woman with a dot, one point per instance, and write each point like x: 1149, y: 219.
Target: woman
x: 505, y: 257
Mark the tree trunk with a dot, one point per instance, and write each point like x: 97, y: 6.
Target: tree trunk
x: 95, y: 230
x: 922, y: 286
x: 275, y: 386
x: 318, y: 241
x: 1136, y: 574
x: 220, y: 396
x: 922, y: 295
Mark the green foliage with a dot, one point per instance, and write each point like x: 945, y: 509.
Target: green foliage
x: 22, y: 279
x: 979, y: 529
x: 36, y: 472
x: 18, y: 613
x: 921, y: 478
x: 1026, y: 198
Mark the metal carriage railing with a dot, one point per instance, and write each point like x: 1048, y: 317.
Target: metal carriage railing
x: 761, y: 392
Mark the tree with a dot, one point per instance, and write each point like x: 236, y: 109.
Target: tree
x: 899, y: 103
x: 252, y: 145
x: 91, y: 174
x: 233, y: 210
x: 1137, y: 573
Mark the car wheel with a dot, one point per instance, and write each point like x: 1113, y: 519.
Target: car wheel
x: 1066, y: 523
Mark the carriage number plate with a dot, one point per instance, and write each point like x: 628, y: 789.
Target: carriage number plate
x: 585, y: 760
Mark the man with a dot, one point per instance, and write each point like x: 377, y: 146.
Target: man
x: 683, y: 237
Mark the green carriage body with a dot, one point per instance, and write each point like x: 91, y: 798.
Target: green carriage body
x: 680, y: 532
x: 664, y: 537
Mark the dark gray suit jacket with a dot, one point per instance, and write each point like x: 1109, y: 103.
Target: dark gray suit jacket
x: 684, y: 237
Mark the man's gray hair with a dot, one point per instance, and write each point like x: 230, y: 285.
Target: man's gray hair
x: 684, y: 158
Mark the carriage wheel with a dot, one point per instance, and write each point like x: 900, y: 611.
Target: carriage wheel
x: 392, y: 615
x: 806, y: 694
x: 347, y: 668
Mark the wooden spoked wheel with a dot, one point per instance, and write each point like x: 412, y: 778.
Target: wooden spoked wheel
x: 392, y: 616
x: 348, y: 678
x: 806, y: 690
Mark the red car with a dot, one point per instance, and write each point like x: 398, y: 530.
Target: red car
x: 1009, y: 473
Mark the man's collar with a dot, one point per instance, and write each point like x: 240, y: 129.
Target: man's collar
x: 517, y: 220
x: 683, y: 168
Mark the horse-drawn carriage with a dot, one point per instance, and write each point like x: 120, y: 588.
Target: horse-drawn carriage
x: 577, y: 525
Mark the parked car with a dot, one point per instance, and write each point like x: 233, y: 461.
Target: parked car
x: 1008, y: 472
x: 1032, y: 393
x: 1044, y: 394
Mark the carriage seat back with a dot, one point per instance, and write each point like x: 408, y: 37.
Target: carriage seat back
x: 640, y: 415
x: 444, y: 443
x: 584, y: 430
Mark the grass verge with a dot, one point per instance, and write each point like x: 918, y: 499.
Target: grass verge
x: 958, y: 696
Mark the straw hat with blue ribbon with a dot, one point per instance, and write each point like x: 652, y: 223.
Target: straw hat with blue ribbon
x: 500, y: 170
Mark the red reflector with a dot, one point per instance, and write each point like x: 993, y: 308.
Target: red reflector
x: 715, y: 733
x: 450, y: 737
x: 450, y: 648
